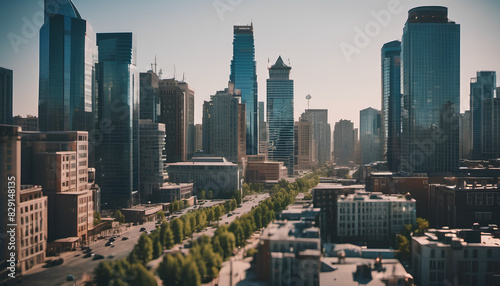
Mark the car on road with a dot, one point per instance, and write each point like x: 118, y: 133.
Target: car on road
x: 89, y: 254
x: 87, y: 250
x: 55, y: 262
x: 109, y: 243
x: 98, y: 256
x: 125, y: 238
x: 142, y: 229
x: 111, y: 256
x: 113, y: 238
x: 70, y: 278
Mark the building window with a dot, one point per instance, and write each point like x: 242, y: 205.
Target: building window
x: 479, y: 199
x: 470, y: 199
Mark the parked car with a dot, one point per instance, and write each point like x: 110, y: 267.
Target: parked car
x: 142, y: 229
x: 109, y: 243
x: 112, y: 238
x: 87, y: 250
x: 125, y: 238
x: 89, y: 254
x: 98, y: 256
x: 70, y: 278
x: 55, y: 262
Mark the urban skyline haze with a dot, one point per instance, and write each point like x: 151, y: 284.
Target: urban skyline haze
x: 333, y: 47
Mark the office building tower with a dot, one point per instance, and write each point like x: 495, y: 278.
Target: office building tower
x: 117, y: 162
x: 465, y: 135
x: 262, y: 129
x: 6, y: 81
x: 67, y: 70
x: 490, y: 147
x: 370, y: 139
x: 28, y: 123
x: 149, y: 100
x: 482, y: 87
x: 280, y: 114
x: 198, y: 137
x: 322, y: 133
x: 225, y: 126
x: 152, y: 158
x: 177, y: 113
x: 391, y: 103
x: 303, y: 145
x: 244, y: 77
x: 430, y: 53
x: 343, y: 142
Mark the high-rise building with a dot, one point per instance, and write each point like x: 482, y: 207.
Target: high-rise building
x: 391, y: 103
x: 304, y: 145
x: 321, y: 132
x: 244, y: 77
x: 343, y: 142
x: 117, y: 160
x: 465, y: 135
x: 371, y: 142
x: 149, y: 100
x: 177, y: 113
x: 152, y: 147
x: 280, y: 114
x: 6, y: 80
x: 67, y: 70
x: 198, y: 137
x: 430, y: 54
x: 490, y: 146
x: 262, y: 129
x: 482, y: 87
x: 225, y: 133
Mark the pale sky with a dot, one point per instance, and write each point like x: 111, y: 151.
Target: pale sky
x: 196, y: 36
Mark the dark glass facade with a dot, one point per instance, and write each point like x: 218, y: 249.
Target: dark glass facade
x: 117, y: 129
x: 149, y: 99
x: 280, y: 115
x: 67, y: 70
x: 6, y: 79
x: 482, y: 88
x: 430, y: 55
x: 344, y: 140
x: 391, y: 103
x: 370, y: 135
x: 244, y: 77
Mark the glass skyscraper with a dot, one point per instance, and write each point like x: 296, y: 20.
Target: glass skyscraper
x: 369, y: 135
x: 117, y: 131
x: 244, y: 77
x: 391, y: 103
x: 430, y: 55
x: 6, y: 80
x: 67, y: 70
x: 482, y: 88
x: 280, y: 114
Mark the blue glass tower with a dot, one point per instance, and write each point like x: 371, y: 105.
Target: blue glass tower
x: 117, y: 135
x: 369, y: 135
x: 280, y: 114
x: 67, y: 69
x: 244, y: 77
x: 431, y: 92
x: 391, y: 103
x: 482, y: 88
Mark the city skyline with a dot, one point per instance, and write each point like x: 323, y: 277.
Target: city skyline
x: 305, y: 43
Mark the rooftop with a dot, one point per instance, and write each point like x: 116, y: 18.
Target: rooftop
x: 290, y: 230
x: 445, y: 237
x: 375, y: 197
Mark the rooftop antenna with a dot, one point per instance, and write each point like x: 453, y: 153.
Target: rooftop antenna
x: 289, y: 62
x: 308, y: 97
x: 182, y: 76
x: 175, y: 73
x: 155, y: 64
x: 160, y: 73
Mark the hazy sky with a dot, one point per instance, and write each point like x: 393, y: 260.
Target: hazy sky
x: 196, y: 36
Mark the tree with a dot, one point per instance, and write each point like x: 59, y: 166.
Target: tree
x: 217, y: 212
x: 308, y: 196
x: 232, y: 205
x: 192, y: 222
x: 187, y: 226
x: 210, y: 195
x: 201, y: 195
x: 421, y: 227
x: 157, y: 247
x: 170, y: 269
x: 97, y: 218
x: 143, y: 250
x: 403, y: 247
x: 190, y: 274
x: 210, y: 215
x: 246, y: 189
x: 178, y: 230
x: 185, y: 204
x: 141, y: 276
x: 237, y: 196
x: 119, y: 216
x: 103, y: 274
x: 160, y: 215
x: 239, y: 234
